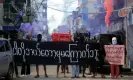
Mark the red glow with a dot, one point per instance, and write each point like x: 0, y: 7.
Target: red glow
x: 108, y: 5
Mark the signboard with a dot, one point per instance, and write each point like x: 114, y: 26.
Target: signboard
x: 115, y: 54
x: 123, y: 12
x: 53, y: 53
x: 56, y: 37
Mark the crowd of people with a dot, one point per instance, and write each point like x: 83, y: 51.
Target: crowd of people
x: 76, y: 69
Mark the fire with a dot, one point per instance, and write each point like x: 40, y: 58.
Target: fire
x: 108, y: 5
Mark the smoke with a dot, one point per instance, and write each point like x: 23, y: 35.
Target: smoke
x: 108, y: 5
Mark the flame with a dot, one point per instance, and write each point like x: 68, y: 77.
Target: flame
x: 108, y: 5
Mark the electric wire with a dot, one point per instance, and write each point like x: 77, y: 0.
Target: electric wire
x: 62, y: 4
x: 71, y: 11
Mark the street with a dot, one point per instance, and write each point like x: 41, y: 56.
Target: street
x: 98, y: 33
x: 51, y: 71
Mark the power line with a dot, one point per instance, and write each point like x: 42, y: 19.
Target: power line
x: 41, y: 4
x: 63, y: 4
x: 71, y: 11
x: 90, y: 12
x: 58, y: 10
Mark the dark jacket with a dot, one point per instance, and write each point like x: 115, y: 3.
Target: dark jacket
x: 102, y: 53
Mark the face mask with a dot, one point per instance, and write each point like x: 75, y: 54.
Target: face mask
x: 114, y: 41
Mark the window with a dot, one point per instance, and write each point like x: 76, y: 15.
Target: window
x: 7, y: 46
x: 4, y: 46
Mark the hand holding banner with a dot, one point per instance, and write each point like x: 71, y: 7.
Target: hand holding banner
x: 115, y: 54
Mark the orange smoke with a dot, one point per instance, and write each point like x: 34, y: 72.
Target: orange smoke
x: 108, y: 5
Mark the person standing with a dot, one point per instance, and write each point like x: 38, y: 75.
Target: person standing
x: 25, y: 65
x: 101, y: 59
x: 114, y: 68
x: 83, y: 61
x: 89, y: 68
x: 75, y: 68
x: 39, y: 38
x: 62, y: 69
x: 20, y: 37
x: 75, y: 71
x: 67, y: 68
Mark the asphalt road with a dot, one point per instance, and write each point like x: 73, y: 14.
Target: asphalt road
x: 51, y: 71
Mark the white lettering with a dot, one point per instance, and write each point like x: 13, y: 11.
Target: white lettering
x: 92, y: 53
x: 46, y: 53
x: 42, y: 53
x: 70, y: 53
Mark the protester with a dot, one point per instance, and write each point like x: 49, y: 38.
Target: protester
x: 58, y: 67
x: 121, y: 70
x: 16, y: 67
x: 101, y: 58
x: 89, y: 68
x: 67, y: 68
x: 114, y: 68
x: 39, y: 38
x: 93, y: 67
x: 16, y: 70
x: 25, y: 65
x: 20, y: 36
x: 75, y: 68
x: 62, y: 69
x: 75, y: 71
x: 83, y: 61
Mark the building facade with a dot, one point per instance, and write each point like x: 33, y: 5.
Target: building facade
x: 40, y: 10
x: 89, y: 18
x: 129, y: 32
x: 70, y: 23
x: 11, y: 10
x: 69, y: 6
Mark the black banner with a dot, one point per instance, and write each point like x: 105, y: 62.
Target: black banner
x: 53, y: 53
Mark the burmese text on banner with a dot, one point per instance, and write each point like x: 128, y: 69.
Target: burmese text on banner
x: 115, y: 54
